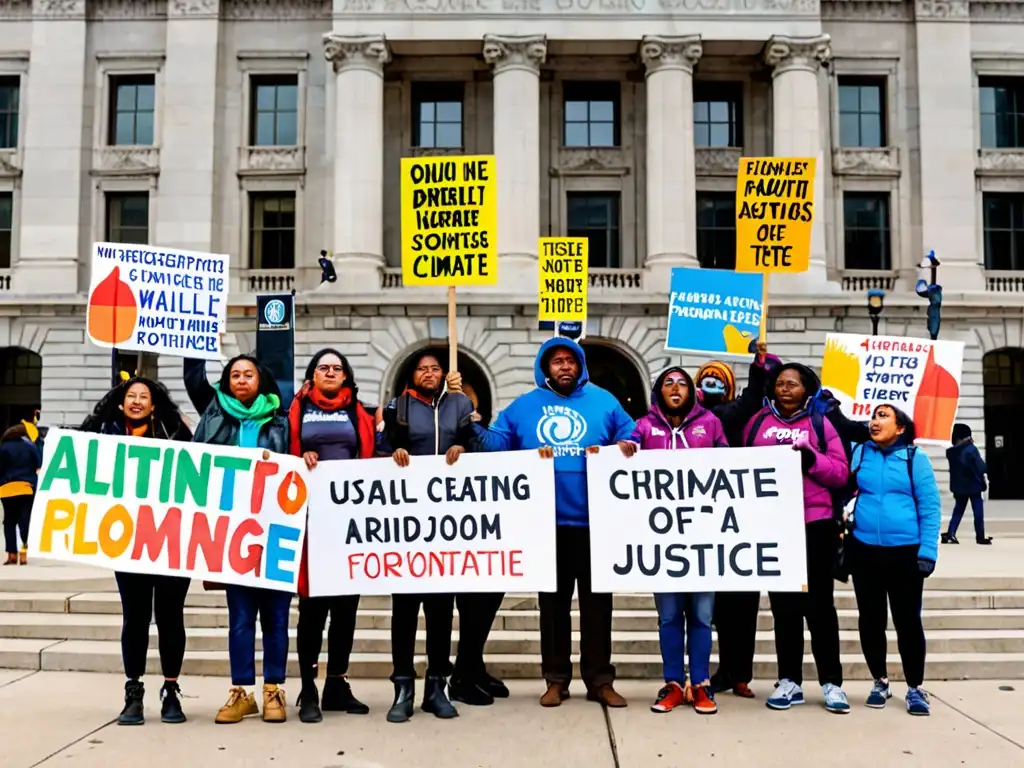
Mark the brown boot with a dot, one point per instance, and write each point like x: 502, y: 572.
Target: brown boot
x: 12, y: 558
x: 607, y: 695
x: 240, y: 704
x: 23, y: 557
x: 554, y: 695
x: 275, y: 708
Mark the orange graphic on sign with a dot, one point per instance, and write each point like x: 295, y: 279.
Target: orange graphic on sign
x: 937, y: 398
x: 113, y: 311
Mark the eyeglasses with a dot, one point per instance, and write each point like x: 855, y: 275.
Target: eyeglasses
x: 429, y: 369
x: 330, y: 369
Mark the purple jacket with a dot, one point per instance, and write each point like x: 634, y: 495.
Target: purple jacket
x: 700, y: 429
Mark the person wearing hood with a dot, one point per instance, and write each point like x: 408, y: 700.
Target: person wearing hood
x: 565, y: 417
x: 786, y: 420
x: 20, y: 460
x: 677, y: 421
x: 716, y: 387
x: 967, y: 472
x: 893, y: 549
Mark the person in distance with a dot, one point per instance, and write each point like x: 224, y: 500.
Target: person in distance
x: 20, y: 460
x: 967, y: 472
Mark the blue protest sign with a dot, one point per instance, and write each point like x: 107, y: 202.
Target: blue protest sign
x: 714, y: 311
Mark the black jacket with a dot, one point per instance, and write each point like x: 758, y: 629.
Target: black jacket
x: 428, y: 430
x: 735, y: 414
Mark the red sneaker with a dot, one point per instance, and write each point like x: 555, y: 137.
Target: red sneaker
x: 669, y: 697
x: 743, y: 691
x: 703, y: 701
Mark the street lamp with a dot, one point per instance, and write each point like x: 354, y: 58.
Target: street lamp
x: 932, y: 292
x: 876, y: 303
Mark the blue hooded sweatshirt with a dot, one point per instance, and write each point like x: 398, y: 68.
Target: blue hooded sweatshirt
x: 588, y: 416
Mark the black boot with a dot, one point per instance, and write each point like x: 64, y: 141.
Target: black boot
x: 435, y: 701
x: 984, y: 540
x: 405, y: 693
x: 170, y: 703
x: 309, y: 703
x: 468, y: 690
x: 494, y: 686
x: 338, y: 697
x: 133, y: 713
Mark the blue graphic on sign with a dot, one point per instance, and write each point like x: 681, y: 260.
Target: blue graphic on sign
x: 714, y: 311
x: 274, y: 312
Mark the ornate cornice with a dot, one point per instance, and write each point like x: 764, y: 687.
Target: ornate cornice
x: 101, y: 10
x: 785, y: 53
x: 275, y: 10
x: 177, y: 9
x: 867, y: 10
x: 660, y: 54
x: 505, y: 52
x: 348, y: 52
x: 58, y: 9
x: 997, y: 10
x: 941, y: 10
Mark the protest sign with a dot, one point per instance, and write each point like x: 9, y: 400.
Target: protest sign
x: 774, y: 214
x: 449, y: 221
x: 699, y: 520
x: 149, y: 299
x: 563, y: 278
x: 712, y: 311
x: 919, y: 376
x: 485, y: 524
x: 171, y: 509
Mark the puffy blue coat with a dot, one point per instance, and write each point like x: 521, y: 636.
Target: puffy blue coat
x: 966, y: 469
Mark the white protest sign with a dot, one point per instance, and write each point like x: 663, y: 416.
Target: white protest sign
x: 159, y: 300
x: 486, y: 524
x: 698, y: 520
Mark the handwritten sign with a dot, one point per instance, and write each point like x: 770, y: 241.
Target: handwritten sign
x: 774, y: 214
x: 714, y: 311
x: 563, y: 278
x: 449, y: 221
x: 919, y: 376
x: 158, y: 300
x: 486, y: 524
x: 172, y: 509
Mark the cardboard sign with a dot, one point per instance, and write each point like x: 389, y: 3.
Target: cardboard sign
x: 774, y: 214
x: 563, y: 278
x: 697, y: 520
x: 449, y: 220
x: 150, y: 299
x: 171, y: 509
x: 921, y: 377
x: 712, y: 311
x: 486, y: 524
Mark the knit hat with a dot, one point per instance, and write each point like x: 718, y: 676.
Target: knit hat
x: 961, y: 431
x: 720, y: 371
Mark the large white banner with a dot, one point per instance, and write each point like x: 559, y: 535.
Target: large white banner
x: 699, y: 520
x: 486, y: 524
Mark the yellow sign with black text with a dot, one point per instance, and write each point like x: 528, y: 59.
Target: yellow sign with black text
x: 774, y: 214
x: 449, y: 220
x: 563, y: 278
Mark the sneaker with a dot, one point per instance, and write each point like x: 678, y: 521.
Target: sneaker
x: 835, y: 699
x: 170, y: 703
x: 787, y: 694
x: 275, y: 707
x: 133, y: 713
x: 917, y: 702
x: 880, y: 693
x: 309, y: 704
x: 703, y: 700
x: 669, y: 697
x: 743, y: 691
x: 239, y: 704
x: 338, y: 697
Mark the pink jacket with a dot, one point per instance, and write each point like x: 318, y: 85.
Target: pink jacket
x: 700, y: 429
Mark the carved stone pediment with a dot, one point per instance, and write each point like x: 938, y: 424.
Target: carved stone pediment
x: 866, y: 161
x: 126, y: 161
x: 10, y: 163
x: 718, y: 161
x: 256, y: 161
x: 590, y: 161
x: 1000, y: 162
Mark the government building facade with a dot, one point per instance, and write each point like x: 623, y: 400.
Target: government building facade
x: 272, y: 129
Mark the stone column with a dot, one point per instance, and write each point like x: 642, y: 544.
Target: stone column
x: 358, y: 159
x: 797, y: 132
x: 671, y: 167
x: 516, y: 61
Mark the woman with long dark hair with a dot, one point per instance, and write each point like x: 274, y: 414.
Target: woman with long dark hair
x: 140, y: 407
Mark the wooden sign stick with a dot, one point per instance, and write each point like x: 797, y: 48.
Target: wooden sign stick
x: 763, y: 332
x: 453, y: 340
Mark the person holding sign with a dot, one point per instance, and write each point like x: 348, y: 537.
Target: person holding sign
x: 568, y: 415
x: 326, y: 422
x: 140, y: 407
x: 786, y: 420
x: 244, y: 411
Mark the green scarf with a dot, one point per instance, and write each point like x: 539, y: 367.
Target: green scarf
x: 252, y: 418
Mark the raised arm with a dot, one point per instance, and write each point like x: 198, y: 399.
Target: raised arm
x: 200, y: 392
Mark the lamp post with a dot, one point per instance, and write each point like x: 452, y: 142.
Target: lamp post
x: 931, y: 291
x: 876, y: 303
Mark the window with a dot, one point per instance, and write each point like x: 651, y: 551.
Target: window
x: 595, y: 216
x: 591, y: 114
x: 6, y: 228
x: 716, y: 230
x: 1004, y: 231
x: 862, y: 112
x: 717, y: 114
x: 272, y: 230
x: 437, y: 115
x: 132, y: 104
x: 10, y: 88
x: 1002, y: 112
x: 128, y: 217
x: 866, y: 228
x: 275, y: 114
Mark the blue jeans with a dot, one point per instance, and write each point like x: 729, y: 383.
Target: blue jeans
x: 273, y: 607
x: 685, y: 619
x: 977, y: 507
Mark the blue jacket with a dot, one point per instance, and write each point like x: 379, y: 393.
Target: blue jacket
x: 20, y: 459
x: 890, y: 512
x: 588, y: 416
x: 966, y: 469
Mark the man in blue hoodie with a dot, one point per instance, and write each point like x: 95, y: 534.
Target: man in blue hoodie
x: 567, y: 415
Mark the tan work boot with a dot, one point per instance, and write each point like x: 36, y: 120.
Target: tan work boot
x: 275, y: 708
x: 240, y: 704
x: 607, y: 695
x: 554, y: 695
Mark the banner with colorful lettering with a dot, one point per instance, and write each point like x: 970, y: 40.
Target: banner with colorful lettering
x: 485, y: 524
x: 919, y: 376
x: 714, y: 312
x: 699, y: 520
x: 229, y: 515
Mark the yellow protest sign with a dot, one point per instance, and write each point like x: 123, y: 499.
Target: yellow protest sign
x: 774, y: 214
x: 563, y: 278
x: 449, y: 220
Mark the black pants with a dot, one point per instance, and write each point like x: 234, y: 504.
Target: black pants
x: 17, y: 510
x: 977, y: 509
x: 476, y: 616
x: 573, y: 557
x: 889, y: 572
x: 817, y: 606
x: 405, y: 613
x: 736, y: 624
x: 313, y: 613
x: 142, y: 598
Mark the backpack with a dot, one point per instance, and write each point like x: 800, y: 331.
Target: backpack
x: 911, y: 452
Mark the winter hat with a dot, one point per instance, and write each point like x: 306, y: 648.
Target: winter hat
x: 961, y: 431
x: 720, y: 371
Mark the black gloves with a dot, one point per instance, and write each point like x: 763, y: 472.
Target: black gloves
x: 925, y: 567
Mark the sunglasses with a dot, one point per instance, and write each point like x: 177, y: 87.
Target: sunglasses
x: 671, y: 381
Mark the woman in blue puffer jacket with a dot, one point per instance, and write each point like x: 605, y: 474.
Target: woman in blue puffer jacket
x: 895, y: 542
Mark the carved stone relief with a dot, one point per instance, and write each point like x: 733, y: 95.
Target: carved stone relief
x: 1001, y: 162
x: 9, y: 163
x: 866, y: 161
x: 126, y: 160
x: 58, y: 7
x: 368, y: 52
x: 611, y: 8
x: 125, y: 9
x: 505, y: 52
x: 660, y: 53
x: 590, y: 161
x: 718, y: 161
x: 867, y: 10
x: 275, y: 10
x: 272, y: 159
x: 954, y: 10
x: 783, y: 52
x: 192, y: 8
